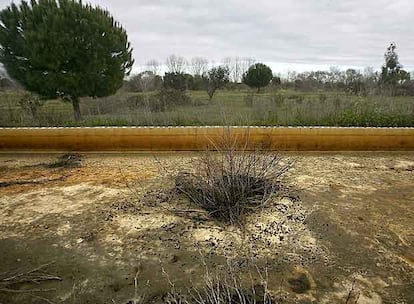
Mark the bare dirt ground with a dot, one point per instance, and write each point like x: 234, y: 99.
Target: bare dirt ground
x: 347, y: 220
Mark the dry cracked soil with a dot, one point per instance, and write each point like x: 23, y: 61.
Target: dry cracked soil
x: 342, y: 232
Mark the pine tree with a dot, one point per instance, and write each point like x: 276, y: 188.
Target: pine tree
x: 64, y: 48
x: 392, y: 73
x: 258, y: 76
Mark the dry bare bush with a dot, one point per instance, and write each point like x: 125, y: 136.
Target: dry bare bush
x: 229, y: 286
x: 229, y: 181
x: 67, y: 160
x: 225, y: 284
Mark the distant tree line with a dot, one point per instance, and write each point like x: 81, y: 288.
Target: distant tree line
x: 197, y: 74
x: 193, y: 74
x: 392, y: 79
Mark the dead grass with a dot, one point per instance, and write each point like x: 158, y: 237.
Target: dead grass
x: 225, y: 285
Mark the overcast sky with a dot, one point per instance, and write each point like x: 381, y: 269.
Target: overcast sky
x: 295, y: 34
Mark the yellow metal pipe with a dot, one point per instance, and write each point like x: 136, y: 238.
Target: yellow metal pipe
x: 198, y: 138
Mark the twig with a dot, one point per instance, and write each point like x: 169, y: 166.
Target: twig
x: 351, y: 292
x: 136, y: 284
x: 35, y: 276
x: 44, y: 299
x: 25, y: 290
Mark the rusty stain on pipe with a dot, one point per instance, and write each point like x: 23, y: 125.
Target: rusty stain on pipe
x: 198, y: 138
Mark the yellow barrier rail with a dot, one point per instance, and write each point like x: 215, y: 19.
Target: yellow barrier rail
x: 198, y: 138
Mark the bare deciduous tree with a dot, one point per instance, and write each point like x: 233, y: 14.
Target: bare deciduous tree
x: 291, y: 76
x: 144, y: 82
x: 153, y: 66
x: 335, y: 75
x: 234, y: 66
x: 245, y: 64
x: 237, y: 66
x: 198, y: 66
x: 237, y: 72
x: 176, y: 64
x: 227, y: 63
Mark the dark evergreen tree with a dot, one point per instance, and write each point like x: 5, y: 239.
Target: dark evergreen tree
x: 175, y: 81
x: 64, y: 48
x: 276, y: 81
x: 258, y: 76
x: 392, y: 73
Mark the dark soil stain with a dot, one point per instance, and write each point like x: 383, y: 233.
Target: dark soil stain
x: 300, y: 283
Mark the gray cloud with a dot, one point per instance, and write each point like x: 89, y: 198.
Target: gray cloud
x: 283, y: 33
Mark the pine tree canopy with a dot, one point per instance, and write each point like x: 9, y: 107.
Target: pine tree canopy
x: 258, y: 76
x: 64, y: 48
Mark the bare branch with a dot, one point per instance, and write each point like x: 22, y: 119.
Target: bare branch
x: 176, y: 64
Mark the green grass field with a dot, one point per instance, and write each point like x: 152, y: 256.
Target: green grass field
x: 279, y: 108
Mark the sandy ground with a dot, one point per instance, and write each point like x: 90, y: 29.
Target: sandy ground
x: 347, y: 219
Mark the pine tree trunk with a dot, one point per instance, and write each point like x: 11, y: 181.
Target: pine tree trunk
x: 76, y: 109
